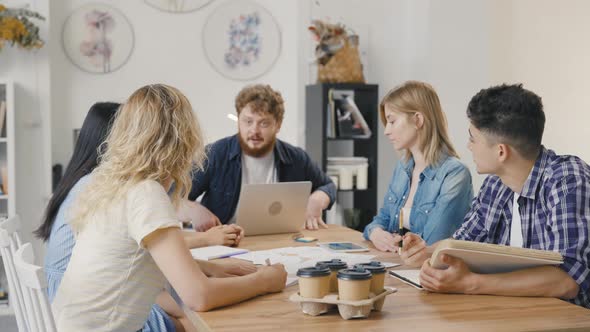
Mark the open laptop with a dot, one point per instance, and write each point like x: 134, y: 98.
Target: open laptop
x: 273, y: 208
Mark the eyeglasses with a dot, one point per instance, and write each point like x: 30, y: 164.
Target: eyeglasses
x: 264, y: 124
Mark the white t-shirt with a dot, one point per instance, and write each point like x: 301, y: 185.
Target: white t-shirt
x: 112, y: 281
x: 258, y: 170
x: 516, y: 224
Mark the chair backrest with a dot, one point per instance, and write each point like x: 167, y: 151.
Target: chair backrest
x: 34, y: 283
x: 9, y: 243
x: 193, y: 318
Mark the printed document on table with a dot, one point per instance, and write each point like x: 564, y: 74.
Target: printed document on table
x: 294, y: 258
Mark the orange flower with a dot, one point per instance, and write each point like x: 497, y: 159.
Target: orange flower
x: 17, y: 29
x: 11, y: 29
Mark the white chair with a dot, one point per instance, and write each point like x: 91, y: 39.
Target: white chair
x: 9, y: 243
x: 32, y: 278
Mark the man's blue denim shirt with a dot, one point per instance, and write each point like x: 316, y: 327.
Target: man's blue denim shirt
x: 442, y: 199
x: 221, y: 179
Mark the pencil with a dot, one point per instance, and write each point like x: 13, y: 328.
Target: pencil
x: 401, y: 227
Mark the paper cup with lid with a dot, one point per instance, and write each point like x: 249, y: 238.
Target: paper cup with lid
x: 334, y: 265
x: 378, y: 272
x: 354, y: 284
x: 314, y: 282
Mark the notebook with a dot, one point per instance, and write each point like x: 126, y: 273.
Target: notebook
x: 215, y: 252
x: 410, y: 277
x: 389, y: 264
x: 493, y: 258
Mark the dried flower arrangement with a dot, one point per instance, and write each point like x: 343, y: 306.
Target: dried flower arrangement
x: 16, y: 28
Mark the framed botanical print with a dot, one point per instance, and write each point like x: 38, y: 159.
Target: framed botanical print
x: 241, y: 40
x: 98, y: 38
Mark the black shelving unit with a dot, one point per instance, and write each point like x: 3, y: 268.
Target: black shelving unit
x: 320, y: 147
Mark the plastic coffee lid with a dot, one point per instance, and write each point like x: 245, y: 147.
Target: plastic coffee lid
x: 374, y: 267
x: 358, y: 273
x: 314, y: 271
x: 334, y: 264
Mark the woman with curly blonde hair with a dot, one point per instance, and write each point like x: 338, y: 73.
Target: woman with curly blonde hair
x: 129, y: 241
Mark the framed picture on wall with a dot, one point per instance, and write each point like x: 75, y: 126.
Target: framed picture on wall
x: 98, y: 38
x: 178, y: 6
x: 241, y: 40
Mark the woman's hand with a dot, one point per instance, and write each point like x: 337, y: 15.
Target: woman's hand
x: 414, y: 251
x: 274, y: 277
x: 232, y: 267
x: 382, y: 240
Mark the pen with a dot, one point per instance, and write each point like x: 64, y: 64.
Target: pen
x: 227, y: 255
x: 401, y: 227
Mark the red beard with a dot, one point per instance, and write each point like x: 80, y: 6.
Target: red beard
x: 256, y: 152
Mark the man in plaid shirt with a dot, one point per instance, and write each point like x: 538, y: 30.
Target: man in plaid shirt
x: 551, y: 193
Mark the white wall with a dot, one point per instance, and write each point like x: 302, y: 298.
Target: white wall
x: 462, y: 46
x: 459, y: 61
x: 443, y: 43
x: 386, y: 38
x: 168, y: 49
x: 30, y: 73
x: 548, y: 51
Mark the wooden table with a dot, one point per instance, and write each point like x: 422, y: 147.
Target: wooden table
x: 408, y: 310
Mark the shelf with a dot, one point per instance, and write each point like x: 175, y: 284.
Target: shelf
x: 348, y: 138
x: 321, y: 147
x: 352, y: 190
x: 7, y: 148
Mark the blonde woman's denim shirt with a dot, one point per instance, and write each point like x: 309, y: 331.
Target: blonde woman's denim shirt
x: 442, y: 199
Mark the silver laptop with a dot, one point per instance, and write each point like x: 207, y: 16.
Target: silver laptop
x: 273, y: 208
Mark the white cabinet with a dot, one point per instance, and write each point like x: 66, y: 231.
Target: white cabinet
x: 7, y: 135
x: 7, y: 166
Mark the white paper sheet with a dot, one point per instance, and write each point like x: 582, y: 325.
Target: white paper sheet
x: 409, y: 277
x: 214, y: 252
x: 295, y: 258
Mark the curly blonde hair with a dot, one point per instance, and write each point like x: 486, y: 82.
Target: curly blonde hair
x: 415, y: 96
x: 155, y: 136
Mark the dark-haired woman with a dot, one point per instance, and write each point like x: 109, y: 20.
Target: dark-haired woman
x: 55, y: 229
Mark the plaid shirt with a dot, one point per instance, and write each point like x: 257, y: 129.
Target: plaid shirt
x: 555, y: 212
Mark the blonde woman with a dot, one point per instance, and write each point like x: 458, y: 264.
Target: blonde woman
x: 430, y: 189
x: 128, y: 237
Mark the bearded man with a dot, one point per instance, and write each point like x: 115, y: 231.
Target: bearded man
x: 255, y: 156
